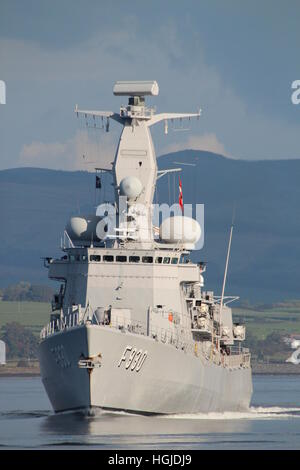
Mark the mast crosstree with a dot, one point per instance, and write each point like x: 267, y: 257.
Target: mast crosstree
x: 135, y: 160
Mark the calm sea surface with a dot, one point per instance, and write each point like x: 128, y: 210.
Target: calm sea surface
x: 273, y: 422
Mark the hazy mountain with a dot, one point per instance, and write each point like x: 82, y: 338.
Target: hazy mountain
x: 35, y: 205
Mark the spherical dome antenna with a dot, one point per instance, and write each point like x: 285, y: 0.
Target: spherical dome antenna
x: 131, y: 187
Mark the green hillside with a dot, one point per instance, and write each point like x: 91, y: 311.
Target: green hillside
x: 266, y: 327
x: 30, y: 314
x: 283, y: 318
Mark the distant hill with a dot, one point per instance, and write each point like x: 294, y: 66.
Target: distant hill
x: 264, y: 266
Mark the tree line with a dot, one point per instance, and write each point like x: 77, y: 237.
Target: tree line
x: 20, y: 341
x: 24, y: 291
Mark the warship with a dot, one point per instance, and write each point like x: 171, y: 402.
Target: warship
x: 132, y: 327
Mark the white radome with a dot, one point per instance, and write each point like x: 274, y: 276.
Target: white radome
x: 131, y: 187
x: 83, y: 227
x: 180, y: 229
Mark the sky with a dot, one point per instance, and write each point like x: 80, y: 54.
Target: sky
x: 234, y: 60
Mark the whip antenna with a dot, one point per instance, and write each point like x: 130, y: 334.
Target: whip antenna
x: 227, y: 261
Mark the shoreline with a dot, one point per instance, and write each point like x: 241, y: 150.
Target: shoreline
x: 19, y: 371
x: 257, y: 369
x: 282, y: 368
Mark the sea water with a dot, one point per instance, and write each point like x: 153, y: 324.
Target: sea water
x: 272, y: 422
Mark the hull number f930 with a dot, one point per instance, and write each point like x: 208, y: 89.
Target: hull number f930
x: 133, y: 358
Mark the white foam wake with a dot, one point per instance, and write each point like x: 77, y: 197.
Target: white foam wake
x: 253, y: 413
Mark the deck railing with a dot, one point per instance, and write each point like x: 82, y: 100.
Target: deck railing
x: 60, y: 324
x: 179, y: 337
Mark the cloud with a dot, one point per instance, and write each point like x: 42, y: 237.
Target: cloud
x: 207, y: 142
x: 81, y: 152
x: 44, y: 83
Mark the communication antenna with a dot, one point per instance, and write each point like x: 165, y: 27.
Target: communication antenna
x: 227, y: 262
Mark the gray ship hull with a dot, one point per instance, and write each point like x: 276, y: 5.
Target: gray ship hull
x: 166, y: 380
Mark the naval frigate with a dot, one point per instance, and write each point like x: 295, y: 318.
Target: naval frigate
x: 132, y: 327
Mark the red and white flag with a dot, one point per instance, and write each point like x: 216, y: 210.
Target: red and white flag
x: 180, y: 195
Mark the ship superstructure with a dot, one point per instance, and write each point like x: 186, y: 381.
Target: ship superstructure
x: 132, y: 327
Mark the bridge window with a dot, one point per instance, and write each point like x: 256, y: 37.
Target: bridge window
x: 174, y: 261
x: 121, y: 259
x: 167, y: 260
x: 95, y: 258
x: 147, y: 259
x: 108, y: 258
x: 134, y: 259
x: 184, y: 259
x: 159, y: 260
